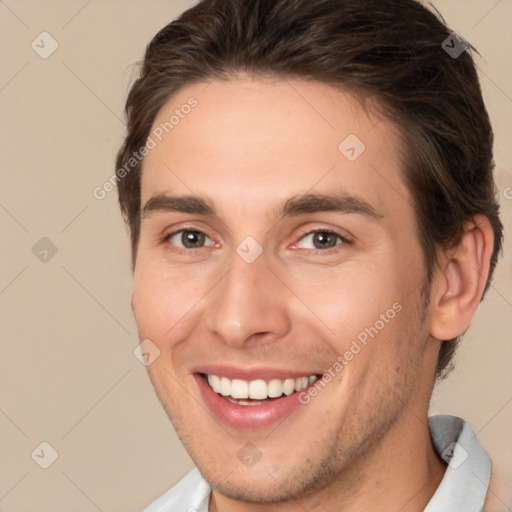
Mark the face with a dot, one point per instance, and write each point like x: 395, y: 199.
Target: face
x: 279, y: 273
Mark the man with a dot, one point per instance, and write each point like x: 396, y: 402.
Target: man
x: 309, y: 190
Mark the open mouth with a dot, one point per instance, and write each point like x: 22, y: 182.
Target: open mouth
x: 259, y: 391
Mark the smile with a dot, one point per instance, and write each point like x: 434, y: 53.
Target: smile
x: 252, y: 399
x: 256, y: 392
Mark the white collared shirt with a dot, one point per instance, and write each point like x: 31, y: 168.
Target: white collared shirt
x: 463, y: 487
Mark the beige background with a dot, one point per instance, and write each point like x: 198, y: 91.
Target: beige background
x: 68, y: 373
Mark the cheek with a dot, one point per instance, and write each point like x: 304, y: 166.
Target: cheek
x: 349, y: 298
x: 164, y: 311
x: 363, y: 308
x: 162, y: 299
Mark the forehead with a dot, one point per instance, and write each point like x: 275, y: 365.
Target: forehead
x: 259, y: 141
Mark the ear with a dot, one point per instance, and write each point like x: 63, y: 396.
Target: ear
x: 460, y: 280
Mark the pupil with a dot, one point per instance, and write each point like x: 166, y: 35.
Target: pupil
x: 192, y: 239
x: 324, y: 237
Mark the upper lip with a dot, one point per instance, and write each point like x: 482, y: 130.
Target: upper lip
x: 250, y: 373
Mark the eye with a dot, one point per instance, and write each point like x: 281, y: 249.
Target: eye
x: 323, y: 239
x: 189, y: 239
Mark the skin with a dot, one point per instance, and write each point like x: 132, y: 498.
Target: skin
x: 251, y: 144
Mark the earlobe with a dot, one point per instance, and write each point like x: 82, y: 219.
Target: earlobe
x: 460, y: 280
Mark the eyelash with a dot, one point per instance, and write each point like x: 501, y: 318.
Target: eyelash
x: 344, y: 240
x: 182, y: 250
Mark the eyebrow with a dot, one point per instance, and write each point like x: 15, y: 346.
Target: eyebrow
x: 297, y: 205
x: 334, y: 202
x: 182, y: 204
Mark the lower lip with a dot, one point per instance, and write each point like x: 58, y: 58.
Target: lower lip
x: 247, y: 416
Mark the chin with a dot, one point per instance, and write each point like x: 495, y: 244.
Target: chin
x: 258, y: 488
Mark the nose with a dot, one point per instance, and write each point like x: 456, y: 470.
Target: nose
x: 248, y: 305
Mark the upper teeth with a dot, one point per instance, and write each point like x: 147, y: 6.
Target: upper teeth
x: 258, y: 389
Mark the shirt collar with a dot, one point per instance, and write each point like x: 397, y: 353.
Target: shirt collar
x: 466, y: 480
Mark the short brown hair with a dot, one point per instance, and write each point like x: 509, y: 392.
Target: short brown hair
x: 390, y: 51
